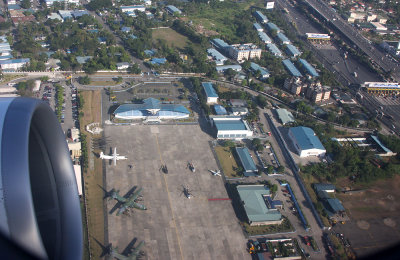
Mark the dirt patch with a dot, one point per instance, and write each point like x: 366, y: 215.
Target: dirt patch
x: 200, y: 29
x: 378, y: 201
x: 389, y: 222
x: 363, y: 224
x: 93, y: 177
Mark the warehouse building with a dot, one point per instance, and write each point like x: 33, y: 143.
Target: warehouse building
x: 282, y: 38
x: 275, y: 51
x: 258, y: 27
x: 273, y: 27
x: 309, y: 69
x: 285, y: 116
x: 220, y: 110
x: 211, y: 94
x: 223, y: 68
x: 249, y: 167
x: 264, y: 37
x: 306, y: 142
x: 219, y: 44
x: 264, y: 73
x: 260, y: 17
x: 292, y: 51
x: 291, y: 68
x: 151, y: 110
x: 217, y: 56
x: 173, y: 10
x: 258, y: 205
x: 14, y: 64
x: 231, y: 127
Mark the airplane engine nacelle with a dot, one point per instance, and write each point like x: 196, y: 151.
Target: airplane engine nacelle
x: 40, y: 214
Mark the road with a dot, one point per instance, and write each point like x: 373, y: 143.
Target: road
x: 330, y: 55
x: 333, y: 18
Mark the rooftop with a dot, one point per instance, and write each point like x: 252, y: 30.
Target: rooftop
x: 293, y: 51
x: 220, y: 110
x: 246, y: 160
x: 219, y: 43
x: 310, y: 69
x: 209, y: 89
x: 255, y: 67
x: 292, y: 69
x: 272, y: 47
x: 282, y: 37
x: 173, y: 9
x: 272, y: 27
x: 285, y: 116
x: 264, y: 37
x: 230, y: 125
x: 254, y: 204
x: 306, y: 138
x: 151, y: 105
x: 261, y: 16
x: 257, y: 26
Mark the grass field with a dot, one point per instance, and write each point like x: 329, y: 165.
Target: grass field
x: 227, y: 161
x: 286, y: 226
x: 172, y: 37
x: 104, y: 83
x: 93, y: 177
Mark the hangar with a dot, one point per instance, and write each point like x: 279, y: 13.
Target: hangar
x: 306, y: 142
x: 151, y: 109
x: 260, y: 208
x: 231, y: 127
x: 249, y: 167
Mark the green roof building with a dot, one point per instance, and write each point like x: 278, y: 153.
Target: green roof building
x: 255, y: 200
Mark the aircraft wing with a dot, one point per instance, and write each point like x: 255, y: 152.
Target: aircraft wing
x: 115, y: 160
x: 121, y: 157
x: 103, y: 156
x: 136, y: 194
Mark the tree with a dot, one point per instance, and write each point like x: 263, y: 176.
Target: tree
x: 270, y: 169
x: 84, y: 80
x: 280, y: 169
x: 255, y: 142
x: 134, y: 69
x: 261, y: 101
x: 26, y: 4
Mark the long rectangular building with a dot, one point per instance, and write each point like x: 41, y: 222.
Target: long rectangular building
x: 264, y: 37
x: 218, y: 57
x: 307, y: 66
x: 231, y: 127
x: 382, y: 88
x: 249, y: 167
x: 272, y: 48
x: 291, y: 68
x: 260, y: 17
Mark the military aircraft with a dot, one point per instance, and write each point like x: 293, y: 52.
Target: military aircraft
x: 164, y: 168
x: 215, y: 173
x: 115, y: 157
x: 126, y: 203
x: 191, y: 167
x: 113, y: 253
x: 186, y: 192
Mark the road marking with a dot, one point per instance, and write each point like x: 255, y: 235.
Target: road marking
x: 169, y: 199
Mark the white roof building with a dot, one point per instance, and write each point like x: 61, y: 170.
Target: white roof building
x: 306, y: 142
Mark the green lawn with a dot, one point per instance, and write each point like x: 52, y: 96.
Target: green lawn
x: 286, y: 226
x: 227, y: 161
x: 172, y: 37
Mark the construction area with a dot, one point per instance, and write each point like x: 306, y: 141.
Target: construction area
x: 173, y: 226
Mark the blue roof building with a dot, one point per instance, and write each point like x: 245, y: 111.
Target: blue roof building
x: 220, y: 44
x: 310, y: 69
x: 292, y: 51
x: 306, y: 142
x: 78, y: 13
x: 231, y: 127
x: 285, y: 116
x: 247, y: 162
x: 273, y: 27
x: 260, y: 17
x: 220, y: 110
x: 83, y: 59
x: 158, y: 61
x: 255, y: 67
x: 211, y: 94
x: 235, y: 67
x: 275, y: 51
x: 151, y: 109
x: 14, y: 7
x: 258, y: 27
x: 282, y: 38
x: 65, y: 14
x: 264, y: 37
x: 172, y: 10
x: 218, y: 57
x: 255, y: 200
x: 102, y: 40
x: 150, y: 52
x: 291, y: 68
x: 126, y: 29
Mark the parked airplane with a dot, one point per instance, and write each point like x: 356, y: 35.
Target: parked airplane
x: 115, y: 157
x: 187, y: 192
x: 215, y: 173
x: 191, y: 167
x: 127, y: 203
x: 113, y: 253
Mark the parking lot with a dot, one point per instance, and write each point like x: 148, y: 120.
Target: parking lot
x: 173, y: 227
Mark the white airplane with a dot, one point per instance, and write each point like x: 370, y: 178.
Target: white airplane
x: 115, y: 157
x: 215, y: 173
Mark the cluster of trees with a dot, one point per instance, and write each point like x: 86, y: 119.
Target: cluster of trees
x: 198, y: 88
x: 25, y: 88
x: 359, y: 165
x: 96, y: 5
x: 59, y: 100
x: 85, y: 80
